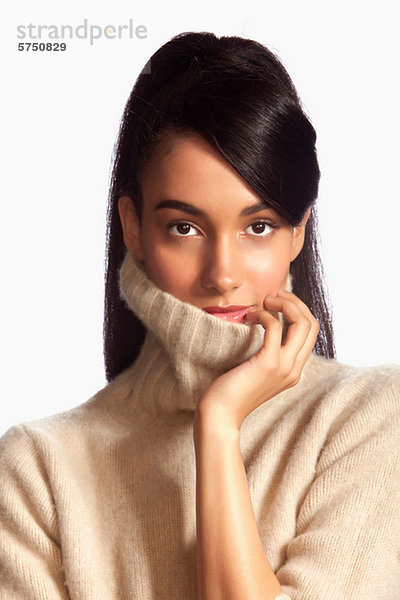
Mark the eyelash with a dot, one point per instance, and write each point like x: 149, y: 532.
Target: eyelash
x: 262, y: 236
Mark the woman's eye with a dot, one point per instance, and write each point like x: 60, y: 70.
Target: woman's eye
x: 260, y: 229
x: 182, y: 229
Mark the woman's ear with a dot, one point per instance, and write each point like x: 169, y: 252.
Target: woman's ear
x: 130, y: 227
x: 299, y: 233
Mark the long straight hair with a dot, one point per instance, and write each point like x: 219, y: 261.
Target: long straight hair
x: 239, y: 97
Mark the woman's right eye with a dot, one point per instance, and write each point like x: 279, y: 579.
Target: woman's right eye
x: 182, y: 229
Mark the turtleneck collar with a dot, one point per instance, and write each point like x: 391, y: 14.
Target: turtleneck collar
x: 185, y: 348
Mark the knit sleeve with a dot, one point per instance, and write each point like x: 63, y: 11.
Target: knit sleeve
x: 30, y: 555
x: 347, y: 543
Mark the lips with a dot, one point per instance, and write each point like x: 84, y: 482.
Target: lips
x: 229, y: 313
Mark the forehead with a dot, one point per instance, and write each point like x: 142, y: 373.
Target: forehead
x: 184, y: 166
x: 174, y: 146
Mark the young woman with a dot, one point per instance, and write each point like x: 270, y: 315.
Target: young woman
x: 225, y: 459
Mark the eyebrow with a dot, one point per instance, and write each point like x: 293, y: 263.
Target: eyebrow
x: 197, y: 212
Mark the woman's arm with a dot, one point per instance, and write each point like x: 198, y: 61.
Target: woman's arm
x: 30, y: 555
x: 231, y: 560
x: 232, y: 564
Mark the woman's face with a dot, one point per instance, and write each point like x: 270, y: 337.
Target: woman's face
x: 205, y: 237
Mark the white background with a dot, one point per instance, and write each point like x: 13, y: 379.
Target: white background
x: 60, y: 114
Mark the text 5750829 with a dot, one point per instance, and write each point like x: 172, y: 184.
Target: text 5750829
x: 42, y: 46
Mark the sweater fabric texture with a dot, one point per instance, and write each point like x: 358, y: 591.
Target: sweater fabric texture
x: 99, y: 502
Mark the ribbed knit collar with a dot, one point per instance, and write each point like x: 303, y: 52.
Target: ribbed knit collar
x: 185, y: 348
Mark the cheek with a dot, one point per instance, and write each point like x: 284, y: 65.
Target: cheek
x: 169, y: 270
x: 269, y: 273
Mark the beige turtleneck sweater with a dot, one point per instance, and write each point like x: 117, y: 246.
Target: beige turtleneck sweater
x: 98, y: 503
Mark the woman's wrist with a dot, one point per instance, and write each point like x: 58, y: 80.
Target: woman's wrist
x: 213, y: 419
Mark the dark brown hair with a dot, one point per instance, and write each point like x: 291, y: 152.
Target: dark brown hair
x: 238, y: 96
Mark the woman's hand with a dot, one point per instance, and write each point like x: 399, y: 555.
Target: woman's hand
x: 277, y: 366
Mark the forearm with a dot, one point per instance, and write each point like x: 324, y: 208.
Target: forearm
x: 231, y: 563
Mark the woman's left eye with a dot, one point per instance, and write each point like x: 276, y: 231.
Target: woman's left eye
x: 260, y: 229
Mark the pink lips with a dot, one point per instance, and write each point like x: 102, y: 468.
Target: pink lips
x: 229, y: 313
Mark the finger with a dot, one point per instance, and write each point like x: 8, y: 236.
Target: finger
x: 273, y: 331
x: 309, y: 343
x: 314, y: 325
x: 297, y: 301
x: 303, y: 308
x: 299, y: 324
x: 300, y: 337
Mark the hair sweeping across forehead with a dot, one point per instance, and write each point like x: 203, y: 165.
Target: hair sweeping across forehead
x: 239, y: 97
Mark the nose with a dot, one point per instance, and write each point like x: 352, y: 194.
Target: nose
x: 222, y: 270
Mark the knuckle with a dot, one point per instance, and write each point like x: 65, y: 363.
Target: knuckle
x: 287, y: 370
x: 295, y: 374
x: 315, y: 330
x: 273, y: 366
x: 275, y: 324
x: 294, y: 378
x: 303, y: 327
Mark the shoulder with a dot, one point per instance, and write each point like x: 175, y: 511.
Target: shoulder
x: 33, y: 434
x: 334, y: 370
x: 357, y: 385
x: 359, y: 409
x: 84, y: 425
